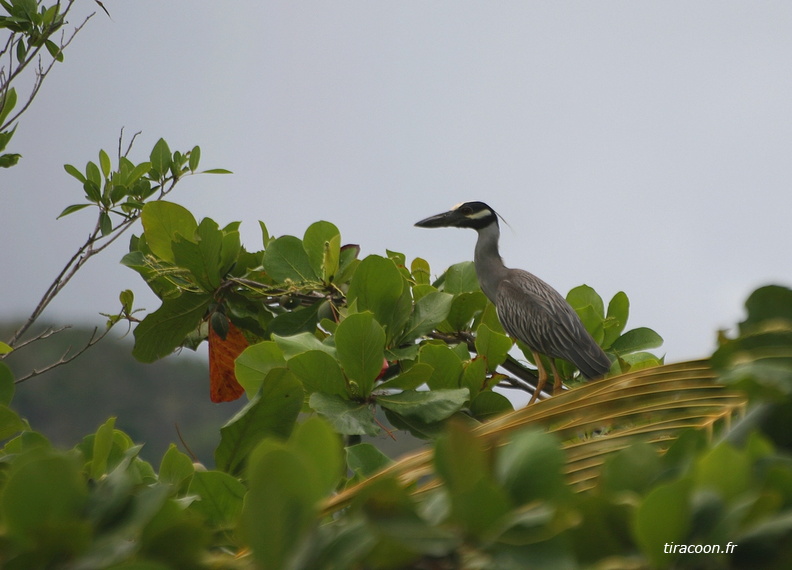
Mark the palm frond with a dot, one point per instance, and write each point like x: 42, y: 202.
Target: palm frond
x: 652, y: 405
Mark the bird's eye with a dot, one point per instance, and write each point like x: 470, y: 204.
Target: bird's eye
x: 467, y: 210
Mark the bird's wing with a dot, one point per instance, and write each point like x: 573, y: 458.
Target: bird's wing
x: 535, y: 313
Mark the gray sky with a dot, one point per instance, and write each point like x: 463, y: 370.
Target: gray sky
x: 632, y: 146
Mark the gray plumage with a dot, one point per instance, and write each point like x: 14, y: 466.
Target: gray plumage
x: 529, y: 309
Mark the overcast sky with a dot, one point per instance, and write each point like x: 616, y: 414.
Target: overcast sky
x: 635, y: 146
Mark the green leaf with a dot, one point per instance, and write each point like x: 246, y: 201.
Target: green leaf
x: 7, y: 385
x: 429, y: 311
x: 346, y: 417
x: 164, y: 223
x: 195, y: 158
x: 104, y: 162
x: 489, y: 404
x: 446, y: 364
x: 321, y: 449
x: 417, y: 375
x: 102, y: 446
x: 477, y: 503
x: 635, y: 468
x: 7, y: 104
x: 530, y: 467
x: 322, y: 241
x: 71, y: 209
x: 5, y: 138
x: 10, y: 422
x: 256, y: 361
x: 9, y: 160
x: 636, y: 339
x: 378, y: 286
x: 302, y: 320
x: 219, y: 497
x: 420, y: 271
x: 492, y: 345
x: 319, y: 372
x: 202, y: 259
x: 298, y: 343
x: 105, y: 223
x: 160, y: 159
x: 724, y: 470
x: 474, y: 375
x: 217, y: 171
x: 616, y: 319
x: 360, y: 344
x: 279, y: 508
x: 176, y: 468
x: 162, y: 331
x: 73, y: 171
x: 5, y: 348
x: 365, y: 459
x: 663, y: 517
x: 271, y: 413
x: 464, y: 308
x: 285, y: 259
x: 429, y: 406
x: 584, y: 296
x: 461, y: 278
x: 43, y: 501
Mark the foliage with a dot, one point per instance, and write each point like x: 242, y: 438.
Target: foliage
x: 28, y: 33
x: 357, y: 334
x: 611, y: 473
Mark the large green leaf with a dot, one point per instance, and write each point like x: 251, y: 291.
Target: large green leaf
x: 280, y: 507
x: 202, y: 259
x: 166, y: 328
x: 302, y: 342
x: 378, y: 286
x: 346, y: 417
x: 663, y: 517
x: 461, y: 461
x: 164, y: 222
x: 271, y: 413
x: 255, y: 362
x: 584, y: 296
x: 446, y: 364
x: 427, y: 406
x: 360, y: 343
x: 7, y: 385
x: 634, y: 340
x: 616, y: 319
x: 461, y: 278
x: 219, y: 497
x: 322, y: 243
x: 321, y: 448
x: 285, y: 259
x: 492, y: 345
x: 43, y: 500
x: 529, y: 467
x: 430, y: 310
x: 319, y: 372
x: 160, y: 158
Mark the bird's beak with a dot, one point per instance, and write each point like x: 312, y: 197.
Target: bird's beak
x: 444, y: 220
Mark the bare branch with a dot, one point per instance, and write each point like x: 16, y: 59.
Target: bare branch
x: 66, y: 358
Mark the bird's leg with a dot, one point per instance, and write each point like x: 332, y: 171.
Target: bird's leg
x: 540, y: 383
x: 558, y: 385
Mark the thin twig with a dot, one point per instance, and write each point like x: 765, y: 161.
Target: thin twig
x: 66, y: 358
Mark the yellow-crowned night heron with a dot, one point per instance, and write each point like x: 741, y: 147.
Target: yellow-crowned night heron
x: 529, y: 309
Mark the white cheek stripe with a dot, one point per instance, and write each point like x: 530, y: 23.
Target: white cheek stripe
x: 479, y: 215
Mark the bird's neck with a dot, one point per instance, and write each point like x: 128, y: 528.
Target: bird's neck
x: 489, y: 265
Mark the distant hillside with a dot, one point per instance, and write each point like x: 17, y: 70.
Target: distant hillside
x: 148, y: 399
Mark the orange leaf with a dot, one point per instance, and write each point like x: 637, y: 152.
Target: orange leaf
x: 223, y: 385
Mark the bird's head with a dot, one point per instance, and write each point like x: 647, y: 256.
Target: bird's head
x: 476, y: 215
